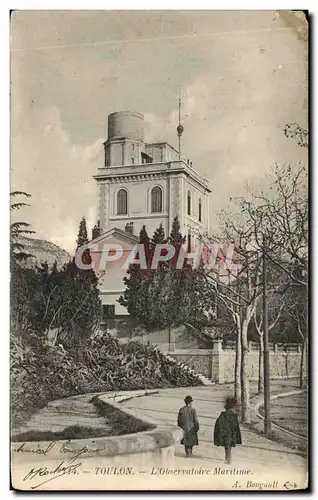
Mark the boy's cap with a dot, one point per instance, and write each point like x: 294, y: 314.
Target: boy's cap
x: 230, y: 402
x: 188, y: 399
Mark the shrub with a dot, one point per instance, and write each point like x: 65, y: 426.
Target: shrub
x: 40, y: 374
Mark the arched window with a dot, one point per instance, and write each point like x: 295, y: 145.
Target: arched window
x: 156, y: 199
x: 122, y: 202
x: 200, y: 210
x: 189, y: 203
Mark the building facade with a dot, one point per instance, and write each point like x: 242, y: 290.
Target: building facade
x: 146, y: 184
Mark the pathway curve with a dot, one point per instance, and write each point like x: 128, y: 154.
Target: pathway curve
x: 60, y: 414
x: 258, y: 453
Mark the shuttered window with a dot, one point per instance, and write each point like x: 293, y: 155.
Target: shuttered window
x: 156, y: 199
x: 122, y: 202
x: 189, y: 203
x: 200, y: 210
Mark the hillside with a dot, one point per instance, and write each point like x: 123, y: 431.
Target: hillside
x: 44, y: 251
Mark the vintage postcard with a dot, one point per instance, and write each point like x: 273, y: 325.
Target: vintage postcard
x: 159, y: 250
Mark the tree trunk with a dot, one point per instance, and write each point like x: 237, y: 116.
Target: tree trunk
x: 245, y: 392
x: 306, y: 363
x: 260, y: 366
x: 303, y: 364
x: 171, y: 339
x: 237, y: 374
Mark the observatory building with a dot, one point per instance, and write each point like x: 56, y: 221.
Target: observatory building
x: 144, y: 184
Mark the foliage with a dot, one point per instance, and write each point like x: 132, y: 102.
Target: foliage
x: 100, y: 364
x: 82, y: 239
x: 166, y: 296
x: 18, y: 229
x: 293, y: 130
x: 65, y: 300
x: 23, y: 288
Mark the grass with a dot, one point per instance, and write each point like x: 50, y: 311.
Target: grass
x: 291, y: 413
x: 121, y: 422
x: 73, y: 432
x: 117, y: 423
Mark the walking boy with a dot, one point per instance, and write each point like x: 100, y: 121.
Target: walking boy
x: 227, y: 430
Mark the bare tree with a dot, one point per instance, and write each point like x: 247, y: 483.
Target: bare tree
x: 293, y: 130
x: 276, y: 307
x: 282, y: 215
x: 296, y: 308
x: 239, y: 288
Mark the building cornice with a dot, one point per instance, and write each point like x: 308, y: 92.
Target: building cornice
x: 131, y: 178
x: 150, y: 171
x: 134, y: 216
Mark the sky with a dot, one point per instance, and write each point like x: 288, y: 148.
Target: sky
x: 242, y: 77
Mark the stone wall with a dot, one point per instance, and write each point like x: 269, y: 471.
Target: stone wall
x: 199, y: 360
x: 282, y: 364
x: 218, y: 364
x: 182, y: 337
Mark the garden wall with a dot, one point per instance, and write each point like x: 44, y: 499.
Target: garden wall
x: 218, y: 363
x: 182, y: 337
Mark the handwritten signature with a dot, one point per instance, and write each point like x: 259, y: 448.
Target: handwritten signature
x: 71, y: 466
x: 67, y: 447
x: 55, y: 473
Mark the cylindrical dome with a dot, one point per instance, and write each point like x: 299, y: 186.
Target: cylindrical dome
x: 126, y: 125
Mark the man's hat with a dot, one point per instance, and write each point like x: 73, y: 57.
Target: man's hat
x: 188, y: 399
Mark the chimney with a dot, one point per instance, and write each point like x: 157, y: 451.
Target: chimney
x: 129, y: 228
x: 96, y: 231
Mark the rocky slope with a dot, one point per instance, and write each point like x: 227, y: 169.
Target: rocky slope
x: 44, y: 251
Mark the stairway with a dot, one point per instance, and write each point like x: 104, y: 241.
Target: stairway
x: 203, y: 378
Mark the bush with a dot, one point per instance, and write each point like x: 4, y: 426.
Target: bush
x: 40, y: 374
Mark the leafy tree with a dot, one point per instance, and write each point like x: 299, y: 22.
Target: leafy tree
x: 176, y: 240
x: 135, y: 297
x: 77, y: 305
x: 72, y: 305
x: 18, y: 229
x: 22, y: 281
x: 23, y: 289
x: 82, y: 239
x: 158, y: 236
x: 165, y: 296
x: 64, y: 301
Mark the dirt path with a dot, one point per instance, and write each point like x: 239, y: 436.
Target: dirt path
x: 256, y: 452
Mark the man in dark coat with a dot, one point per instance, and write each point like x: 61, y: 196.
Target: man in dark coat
x: 227, y: 430
x: 188, y: 421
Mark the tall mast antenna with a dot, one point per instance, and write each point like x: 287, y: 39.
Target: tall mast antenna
x: 179, y: 127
